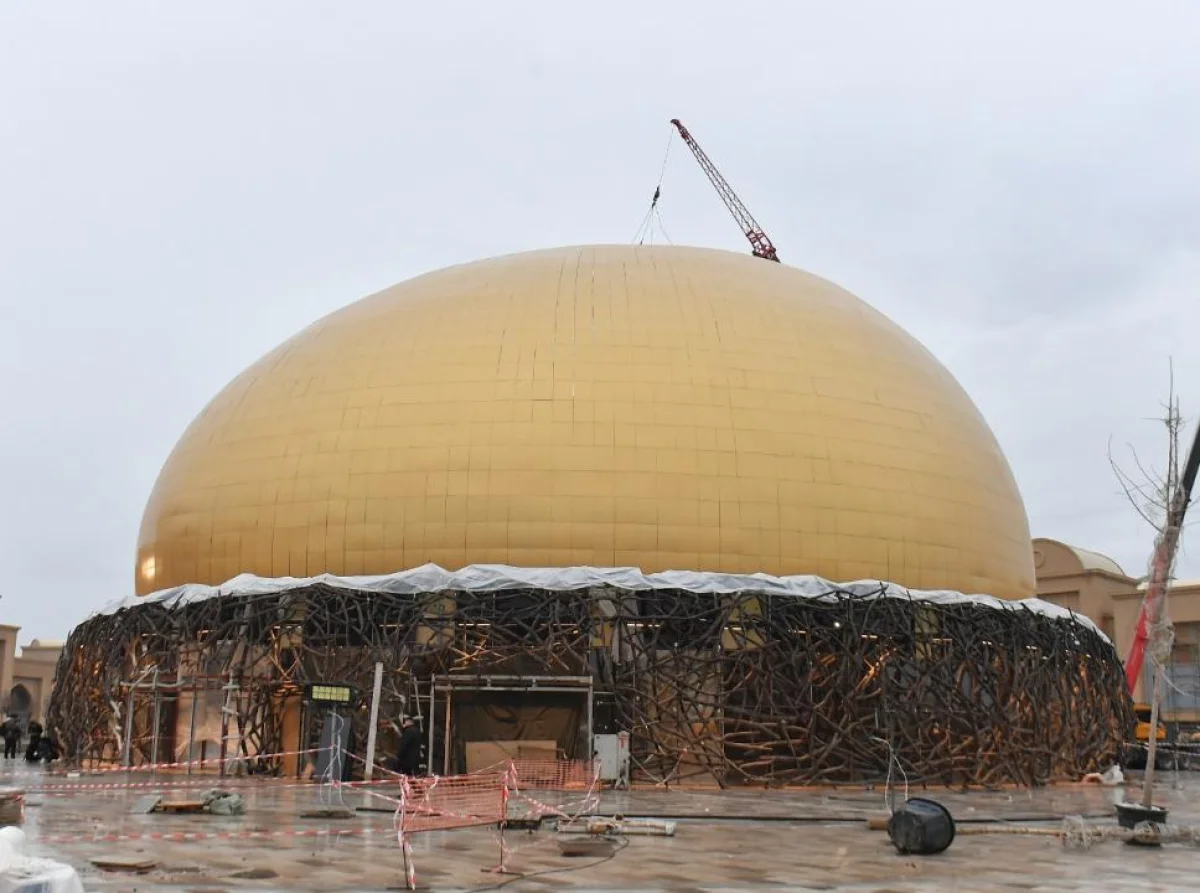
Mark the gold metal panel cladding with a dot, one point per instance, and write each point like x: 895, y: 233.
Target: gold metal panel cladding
x: 662, y: 407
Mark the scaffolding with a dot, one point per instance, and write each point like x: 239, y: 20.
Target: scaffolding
x: 741, y: 687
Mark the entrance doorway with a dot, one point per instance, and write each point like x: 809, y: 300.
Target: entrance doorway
x: 479, y: 721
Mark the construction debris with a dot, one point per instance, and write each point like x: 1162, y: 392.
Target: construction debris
x: 224, y: 803
x: 12, y: 806
x: 880, y: 823
x: 255, y: 874
x: 138, y: 864
x: 336, y: 812
x: 146, y: 805
x: 522, y: 823
x: 180, y: 806
x: 1110, y: 777
x: 1077, y: 833
x: 1080, y: 835
x: 214, y: 802
x: 598, y: 825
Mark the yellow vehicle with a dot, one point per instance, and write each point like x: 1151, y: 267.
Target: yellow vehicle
x: 1136, y: 753
x: 1142, y: 732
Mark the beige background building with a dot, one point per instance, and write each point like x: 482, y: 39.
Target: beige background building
x: 26, y: 679
x: 1100, y: 589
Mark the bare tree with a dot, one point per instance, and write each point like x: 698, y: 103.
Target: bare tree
x: 1147, y: 489
x: 1160, y: 498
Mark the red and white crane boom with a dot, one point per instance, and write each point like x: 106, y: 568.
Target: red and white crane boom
x: 759, y: 241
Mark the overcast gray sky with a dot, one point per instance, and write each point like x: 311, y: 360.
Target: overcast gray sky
x: 184, y: 185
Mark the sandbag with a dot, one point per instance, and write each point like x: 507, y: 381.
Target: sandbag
x: 224, y: 803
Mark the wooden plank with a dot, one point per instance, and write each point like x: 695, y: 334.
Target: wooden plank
x: 124, y: 863
x: 181, y: 806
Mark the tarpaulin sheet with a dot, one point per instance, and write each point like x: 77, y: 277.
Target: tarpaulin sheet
x: 498, y: 577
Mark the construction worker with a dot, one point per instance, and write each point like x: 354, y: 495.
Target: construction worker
x: 48, y: 749
x: 35, y: 740
x: 408, y: 754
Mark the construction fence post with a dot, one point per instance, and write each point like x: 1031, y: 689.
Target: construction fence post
x: 157, y: 721
x: 373, y: 727
x: 128, y: 756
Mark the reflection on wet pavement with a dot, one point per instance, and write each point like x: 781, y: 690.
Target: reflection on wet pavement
x: 741, y: 840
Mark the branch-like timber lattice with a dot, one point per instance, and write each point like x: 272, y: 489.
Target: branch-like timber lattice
x: 742, y: 688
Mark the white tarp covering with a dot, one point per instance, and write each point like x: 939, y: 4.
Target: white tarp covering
x: 20, y: 873
x: 499, y: 577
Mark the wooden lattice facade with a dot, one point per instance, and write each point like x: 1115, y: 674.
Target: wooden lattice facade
x: 743, y: 688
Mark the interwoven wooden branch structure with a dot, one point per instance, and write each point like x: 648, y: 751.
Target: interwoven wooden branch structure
x: 741, y: 688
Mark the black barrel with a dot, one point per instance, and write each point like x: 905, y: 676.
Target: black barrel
x: 920, y: 826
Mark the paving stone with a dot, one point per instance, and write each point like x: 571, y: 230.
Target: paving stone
x: 726, y: 841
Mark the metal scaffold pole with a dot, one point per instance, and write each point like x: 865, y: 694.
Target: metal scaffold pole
x: 373, y: 728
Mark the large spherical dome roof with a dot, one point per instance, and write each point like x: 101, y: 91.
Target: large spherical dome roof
x: 665, y: 408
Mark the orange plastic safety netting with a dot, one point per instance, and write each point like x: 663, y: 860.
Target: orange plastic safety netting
x: 455, y: 801
x: 563, y: 788
x: 553, y: 775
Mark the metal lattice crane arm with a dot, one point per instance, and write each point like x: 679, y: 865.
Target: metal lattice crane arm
x: 759, y: 241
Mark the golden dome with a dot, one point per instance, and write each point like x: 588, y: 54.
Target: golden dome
x: 664, y: 408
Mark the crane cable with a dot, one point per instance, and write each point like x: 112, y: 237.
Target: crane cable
x: 646, y: 227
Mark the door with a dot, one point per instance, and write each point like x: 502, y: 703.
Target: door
x: 491, y: 724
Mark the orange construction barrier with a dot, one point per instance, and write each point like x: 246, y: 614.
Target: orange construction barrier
x: 553, y: 775
x: 440, y: 803
x: 455, y: 801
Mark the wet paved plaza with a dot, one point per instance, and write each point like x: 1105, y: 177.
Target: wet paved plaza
x: 745, y: 840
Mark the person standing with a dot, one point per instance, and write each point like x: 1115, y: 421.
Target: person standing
x: 35, y: 740
x: 11, y: 730
x: 408, y: 755
x: 48, y: 749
